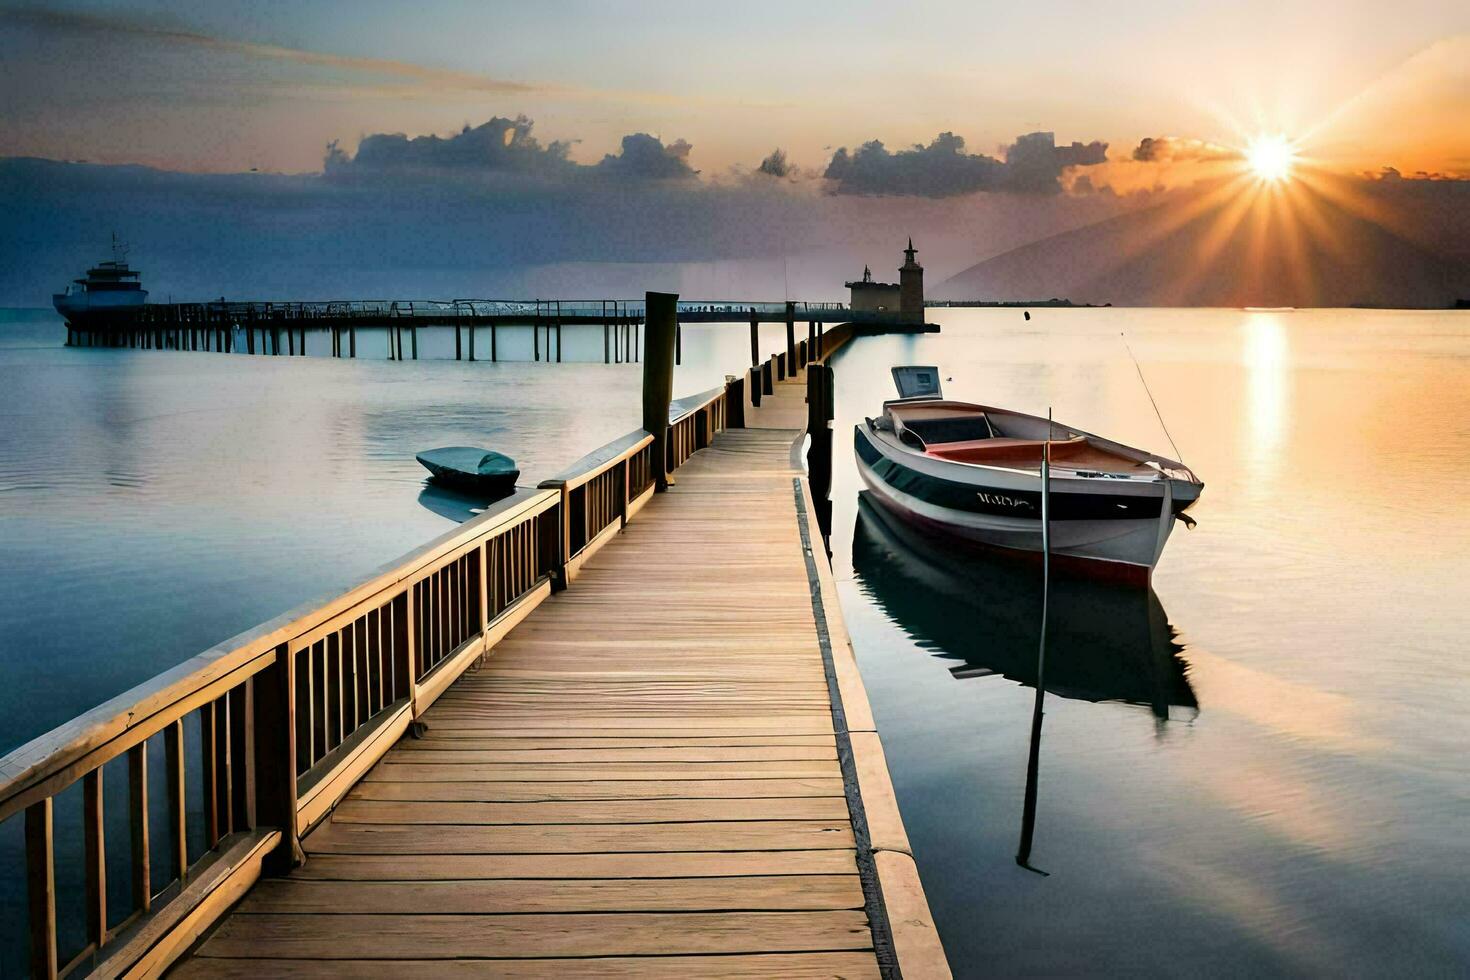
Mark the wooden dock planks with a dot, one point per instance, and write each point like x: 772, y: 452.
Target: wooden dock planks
x: 642, y: 780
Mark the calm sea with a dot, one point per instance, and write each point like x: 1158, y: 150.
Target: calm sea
x: 1260, y: 766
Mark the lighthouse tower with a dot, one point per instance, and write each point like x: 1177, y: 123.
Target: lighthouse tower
x: 911, y: 286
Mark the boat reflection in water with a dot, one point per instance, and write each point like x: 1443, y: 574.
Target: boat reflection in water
x: 453, y: 504
x: 1105, y: 641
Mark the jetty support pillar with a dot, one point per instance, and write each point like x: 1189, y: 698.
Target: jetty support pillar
x: 790, y: 336
x: 658, y: 378
x: 819, y: 407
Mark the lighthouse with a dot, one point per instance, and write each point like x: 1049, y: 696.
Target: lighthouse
x: 911, y: 286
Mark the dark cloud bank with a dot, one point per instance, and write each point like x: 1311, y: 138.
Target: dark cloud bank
x: 507, y: 146
x: 493, y: 212
x: 1032, y: 165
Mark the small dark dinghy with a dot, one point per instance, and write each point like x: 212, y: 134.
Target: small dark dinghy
x: 466, y: 468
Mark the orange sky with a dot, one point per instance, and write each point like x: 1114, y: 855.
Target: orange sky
x: 251, y: 85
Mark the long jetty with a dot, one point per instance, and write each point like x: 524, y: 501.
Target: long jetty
x: 281, y: 328
x: 612, y: 726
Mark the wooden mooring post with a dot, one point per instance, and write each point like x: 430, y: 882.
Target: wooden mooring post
x: 755, y: 340
x: 790, y: 335
x: 661, y: 311
x: 819, y: 406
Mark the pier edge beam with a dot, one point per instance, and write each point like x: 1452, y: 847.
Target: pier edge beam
x: 658, y: 377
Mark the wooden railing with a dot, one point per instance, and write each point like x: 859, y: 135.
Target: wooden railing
x: 273, y: 727
x: 693, y: 422
x: 603, y: 490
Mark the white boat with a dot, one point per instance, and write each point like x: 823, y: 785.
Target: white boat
x: 973, y: 473
x: 108, y: 288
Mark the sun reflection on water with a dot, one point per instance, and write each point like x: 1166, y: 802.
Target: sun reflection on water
x: 1265, y: 354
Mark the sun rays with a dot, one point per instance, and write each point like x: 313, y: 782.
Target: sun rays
x: 1270, y: 157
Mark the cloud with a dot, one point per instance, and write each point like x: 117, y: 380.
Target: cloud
x: 645, y: 156
x: 1034, y: 164
x: 467, y: 232
x: 1394, y: 174
x: 775, y: 165
x: 505, y: 146
x: 501, y: 144
x: 1169, y: 149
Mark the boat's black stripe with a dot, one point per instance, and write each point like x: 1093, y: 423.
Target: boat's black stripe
x: 976, y: 499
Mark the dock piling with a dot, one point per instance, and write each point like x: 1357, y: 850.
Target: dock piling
x: 658, y: 378
x: 790, y: 334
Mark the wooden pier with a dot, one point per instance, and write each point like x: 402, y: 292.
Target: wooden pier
x: 282, y: 328
x: 592, y: 732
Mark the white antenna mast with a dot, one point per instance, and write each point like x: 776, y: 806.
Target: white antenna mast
x: 1177, y: 454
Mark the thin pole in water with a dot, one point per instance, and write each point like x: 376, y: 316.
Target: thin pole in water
x: 1033, y: 759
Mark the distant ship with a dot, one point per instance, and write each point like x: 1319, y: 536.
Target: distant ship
x: 109, y: 286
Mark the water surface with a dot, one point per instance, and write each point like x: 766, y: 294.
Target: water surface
x: 1259, y: 767
x: 1262, y: 766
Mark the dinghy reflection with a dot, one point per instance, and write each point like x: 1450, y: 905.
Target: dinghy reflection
x: 453, y: 504
x: 1105, y: 642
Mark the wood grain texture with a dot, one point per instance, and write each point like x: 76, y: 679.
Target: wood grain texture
x: 495, y: 897
x: 625, y: 787
x: 760, y: 966
x: 533, y: 935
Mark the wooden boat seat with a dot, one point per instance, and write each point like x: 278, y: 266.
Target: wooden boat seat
x: 1074, y: 453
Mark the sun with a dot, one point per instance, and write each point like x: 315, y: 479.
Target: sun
x: 1270, y: 158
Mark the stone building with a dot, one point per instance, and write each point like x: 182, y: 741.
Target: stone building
x: 873, y: 297
x: 903, y: 299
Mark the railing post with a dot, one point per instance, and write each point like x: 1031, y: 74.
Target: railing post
x: 274, y: 721
x: 627, y: 484
x: 41, y: 888
x: 564, y: 534
x: 735, y: 402
x: 406, y: 659
x: 658, y: 378
x: 138, y: 825
x: 95, y: 846
x: 485, y: 617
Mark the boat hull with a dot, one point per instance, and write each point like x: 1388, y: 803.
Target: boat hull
x: 80, y: 305
x: 460, y: 468
x: 1116, y: 532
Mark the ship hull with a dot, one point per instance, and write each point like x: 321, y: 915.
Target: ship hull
x: 80, y: 306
